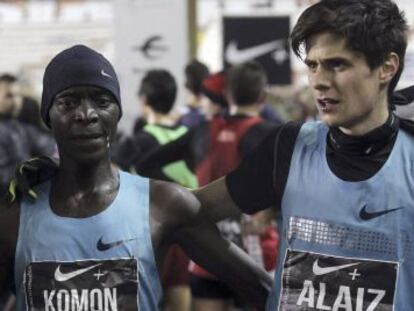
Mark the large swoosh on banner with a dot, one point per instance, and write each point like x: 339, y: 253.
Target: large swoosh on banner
x: 234, y: 55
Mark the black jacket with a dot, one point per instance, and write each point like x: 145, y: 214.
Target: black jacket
x: 19, y: 142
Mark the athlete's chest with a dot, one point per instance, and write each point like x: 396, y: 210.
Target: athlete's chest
x: 347, y: 245
x: 87, y: 264
x: 81, y: 204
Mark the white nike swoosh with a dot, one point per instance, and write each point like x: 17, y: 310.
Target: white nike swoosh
x: 317, y: 270
x: 63, y: 277
x: 368, y: 150
x: 105, y: 74
x: 236, y: 56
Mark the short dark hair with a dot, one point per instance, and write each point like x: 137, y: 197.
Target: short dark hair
x: 374, y: 28
x: 160, y: 89
x: 246, y: 82
x: 8, y: 78
x: 195, y: 72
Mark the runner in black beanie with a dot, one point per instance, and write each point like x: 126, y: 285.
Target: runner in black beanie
x: 77, y: 66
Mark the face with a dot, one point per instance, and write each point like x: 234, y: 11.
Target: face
x: 347, y: 93
x: 10, y: 97
x: 145, y: 109
x: 190, y: 98
x: 84, y: 121
x: 208, y: 108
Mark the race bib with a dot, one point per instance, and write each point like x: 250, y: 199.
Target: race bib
x: 313, y: 281
x: 104, y: 285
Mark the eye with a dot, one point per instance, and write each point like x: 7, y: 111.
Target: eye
x: 311, y: 65
x: 67, y: 102
x: 337, y: 64
x: 104, y: 101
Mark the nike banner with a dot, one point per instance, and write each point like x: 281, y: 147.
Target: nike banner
x: 105, y: 285
x: 260, y: 38
x: 313, y: 281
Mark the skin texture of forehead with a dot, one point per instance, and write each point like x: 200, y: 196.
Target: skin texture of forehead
x: 4, y: 85
x: 337, y: 46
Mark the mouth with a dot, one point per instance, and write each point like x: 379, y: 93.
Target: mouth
x: 327, y: 104
x: 87, y: 136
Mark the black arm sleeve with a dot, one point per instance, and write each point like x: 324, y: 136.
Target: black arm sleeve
x: 190, y: 148
x: 260, y: 180
x: 163, y: 155
x: 133, y: 149
x: 254, y: 136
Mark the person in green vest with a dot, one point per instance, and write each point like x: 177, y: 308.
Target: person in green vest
x: 157, y: 95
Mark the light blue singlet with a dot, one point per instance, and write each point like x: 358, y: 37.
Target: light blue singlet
x: 104, y: 262
x: 346, y: 245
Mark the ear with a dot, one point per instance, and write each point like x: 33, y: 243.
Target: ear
x: 389, y: 68
x: 142, y: 101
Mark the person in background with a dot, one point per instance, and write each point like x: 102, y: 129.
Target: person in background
x: 18, y: 141
x: 229, y: 139
x: 28, y: 112
x: 195, y: 73
x: 192, y: 146
x: 268, y: 113
x: 213, y: 101
x: 218, y: 145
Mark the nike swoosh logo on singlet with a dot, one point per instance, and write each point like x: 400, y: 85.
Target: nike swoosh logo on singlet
x: 101, y: 246
x: 63, y: 277
x: 365, y: 215
x: 317, y: 270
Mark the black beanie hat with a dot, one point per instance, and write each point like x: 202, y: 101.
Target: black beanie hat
x: 77, y: 66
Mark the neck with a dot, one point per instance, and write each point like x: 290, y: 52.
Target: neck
x: 81, y: 191
x: 250, y: 110
x: 158, y: 118
x: 377, y: 117
x: 85, y: 177
x: 194, y: 102
x: 370, y: 143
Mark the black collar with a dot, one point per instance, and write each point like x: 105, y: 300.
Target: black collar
x: 367, y: 144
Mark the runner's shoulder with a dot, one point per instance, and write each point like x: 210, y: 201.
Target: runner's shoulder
x: 174, y: 204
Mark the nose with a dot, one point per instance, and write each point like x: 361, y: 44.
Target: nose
x: 86, y: 112
x: 320, y: 79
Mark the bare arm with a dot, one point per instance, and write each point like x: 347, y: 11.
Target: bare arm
x: 203, y: 244
x: 188, y: 226
x: 216, y: 202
